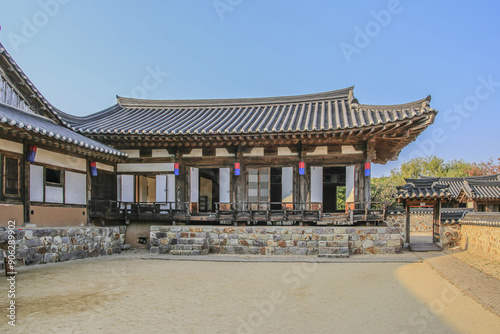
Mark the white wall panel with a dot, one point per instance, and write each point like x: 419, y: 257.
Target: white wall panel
x: 287, y: 184
x: 54, y: 194
x: 171, y: 188
x: 317, y: 184
x: 161, y: 188
x: 195, y: 185
x: 349, y: 183
x: 225, y: 185
x: 127, y: 188
x: 36, y: 183
x: 75, y: 188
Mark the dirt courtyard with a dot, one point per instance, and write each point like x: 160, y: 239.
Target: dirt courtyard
x: 127, y: 294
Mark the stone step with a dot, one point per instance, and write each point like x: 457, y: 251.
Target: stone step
x: 189, y: 247
x: 189, y: 252
x: 333, y: 250
x: 195, y: 241
x: 336, y: 256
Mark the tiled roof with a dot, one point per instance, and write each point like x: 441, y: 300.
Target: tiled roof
x: 456, y: 184
x: 42, y: 126
x: 485, y: 190
x: 329, y: 111
x: 34, y: 97
x: 481, y: 219
x: 423, y: 188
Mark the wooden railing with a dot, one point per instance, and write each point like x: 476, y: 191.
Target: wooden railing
x: 138, y: 210
x: 366, y: 211
x: 233, y: 212
x: 269, y: 211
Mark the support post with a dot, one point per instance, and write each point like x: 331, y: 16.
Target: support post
x: 89, y: 194
x: 25, y: 184
x: 407, y: 224
x: 370, y: 155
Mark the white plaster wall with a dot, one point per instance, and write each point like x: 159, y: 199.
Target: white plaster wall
x: 11, y: 146
x: 107, y: 168
x: 148, y: 167
x: 60, y: 160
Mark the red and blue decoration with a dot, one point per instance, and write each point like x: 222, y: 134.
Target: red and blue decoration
x: 176, y: 169
x: 302, y: 168
x: 237, y: 169
x: 31, y: 153
x: 93, y: 168
x: 368, y: 168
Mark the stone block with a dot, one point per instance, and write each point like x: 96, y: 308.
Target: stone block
x: 393, y: 243
x: 33, y: 243
x: 51, y: 258
x: 33, y: 259
x: 367, y: 243
x: 313, y: 243
x: 281, y: 251
x: 312, y: 251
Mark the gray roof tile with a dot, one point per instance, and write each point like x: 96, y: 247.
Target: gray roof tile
x: 46, y: 127
x: 334, y: 110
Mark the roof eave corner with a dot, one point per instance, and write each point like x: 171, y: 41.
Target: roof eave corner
x: 351, y: 98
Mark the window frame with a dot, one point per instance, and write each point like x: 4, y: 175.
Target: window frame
x: 3, y: 169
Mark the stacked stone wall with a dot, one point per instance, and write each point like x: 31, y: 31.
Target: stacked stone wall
x: 48, y: 245
x: 421, y: 222
x: 270, y: 240
x: 481, y: 240
x: 450, y: 234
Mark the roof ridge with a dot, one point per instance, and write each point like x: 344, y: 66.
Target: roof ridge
x: 424, y: 103
x: 343, y: 93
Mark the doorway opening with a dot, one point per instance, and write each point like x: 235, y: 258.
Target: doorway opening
x: 145, y: 186
x: 209, y: 189
x: 276, y: 188
x: 334, y: 189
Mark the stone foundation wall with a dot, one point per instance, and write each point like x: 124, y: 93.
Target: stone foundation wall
x: 481, y: 240
x: 47, y: 245
x: 270, y: 240
x: 421, y: 222
x: 397, y: 220
x: 450, y: 234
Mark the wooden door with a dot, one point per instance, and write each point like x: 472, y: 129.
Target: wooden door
x: 259, y: 188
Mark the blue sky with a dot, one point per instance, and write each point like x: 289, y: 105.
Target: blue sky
x: 81, y: 54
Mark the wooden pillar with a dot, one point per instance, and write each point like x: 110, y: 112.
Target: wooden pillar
x: 436, y: 226
x: 407, y: 224
x: 370, y: 155
x: 240, y: 192
x: 180, y: 181
x: 89, y: 193
x: 303, y: 180
x: 25, y: 184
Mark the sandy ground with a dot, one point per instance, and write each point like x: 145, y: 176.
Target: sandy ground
x: 126, y: 294
x: 487, y: 266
